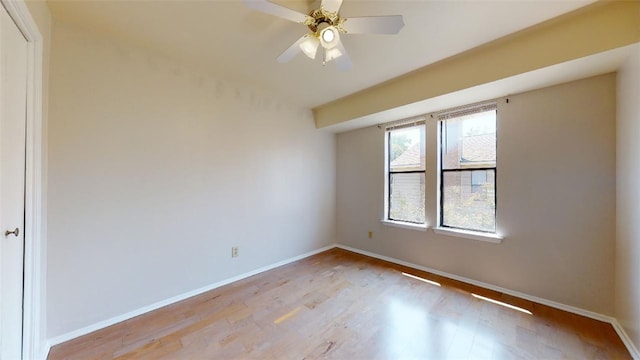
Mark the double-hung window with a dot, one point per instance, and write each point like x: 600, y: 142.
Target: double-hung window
x: 406, y: 172
x: 468, y: 168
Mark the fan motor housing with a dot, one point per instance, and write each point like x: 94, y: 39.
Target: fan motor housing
x: 322, y: 16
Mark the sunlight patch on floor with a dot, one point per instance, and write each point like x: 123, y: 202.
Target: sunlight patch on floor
x: 284, y: 317
x: 421, y: 279
x: 502, y: 304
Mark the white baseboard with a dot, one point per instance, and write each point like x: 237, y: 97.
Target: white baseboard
x: 572, y: 309
x: 114, y: 320
x: 635, y: 354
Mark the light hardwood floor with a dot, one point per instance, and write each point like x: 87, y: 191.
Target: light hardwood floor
x: 341, y: 305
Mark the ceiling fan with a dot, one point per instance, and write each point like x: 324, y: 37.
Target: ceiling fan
x: 326, y: 26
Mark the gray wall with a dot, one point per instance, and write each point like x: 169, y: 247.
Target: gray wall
x: 156, y: 171
x: 627, y: 291
x: 556, y: 199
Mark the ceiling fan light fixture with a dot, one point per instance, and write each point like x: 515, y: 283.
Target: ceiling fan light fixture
x: 331, y: 54
x: 326, y: 26
x: 310, y: 46
x: 329, y: 37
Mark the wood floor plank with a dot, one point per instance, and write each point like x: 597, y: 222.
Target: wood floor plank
x: 341, y: 305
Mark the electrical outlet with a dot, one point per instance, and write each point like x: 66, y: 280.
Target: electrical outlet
x: 234, y: 251
x: 370, y: 234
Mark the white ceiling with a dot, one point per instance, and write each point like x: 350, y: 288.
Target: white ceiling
x: 235, y: 43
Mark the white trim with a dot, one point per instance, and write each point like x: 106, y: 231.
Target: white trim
x: 467, y: 234
x: 33, y: 345
x: 405, y: 225
x: 114, y: 320
x: 635, y: 354
x: 553, y: 304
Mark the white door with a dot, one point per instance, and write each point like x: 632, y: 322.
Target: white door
x: 13, y: 90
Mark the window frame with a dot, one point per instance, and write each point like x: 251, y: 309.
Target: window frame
x: 442, y: 118
x: 389, y: 173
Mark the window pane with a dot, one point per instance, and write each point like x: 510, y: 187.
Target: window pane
x: 469, y: 200
x: 478, y: 180
x: 406, y: 200
x: 406, y: 149
x: 469, y: 141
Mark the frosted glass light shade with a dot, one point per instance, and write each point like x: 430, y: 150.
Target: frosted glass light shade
x: 310, y: 46
x: 331, y: 54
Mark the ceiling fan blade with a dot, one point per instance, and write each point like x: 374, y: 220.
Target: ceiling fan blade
x: 276, y: 10
x: 343, y: 62
x: 374, y: 24
x: 292, y: 51
x: 331, y: 5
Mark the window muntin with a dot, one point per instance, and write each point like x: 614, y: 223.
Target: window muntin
x: 406, y: 174
x: 468, y: 170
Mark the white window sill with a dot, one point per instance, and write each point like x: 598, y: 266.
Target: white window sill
x: 474, y: 235
x: 405, y: 225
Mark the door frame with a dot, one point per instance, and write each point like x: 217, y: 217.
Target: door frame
x: 34, y: 343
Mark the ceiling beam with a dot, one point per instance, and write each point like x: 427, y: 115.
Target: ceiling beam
x: 599, y: 27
